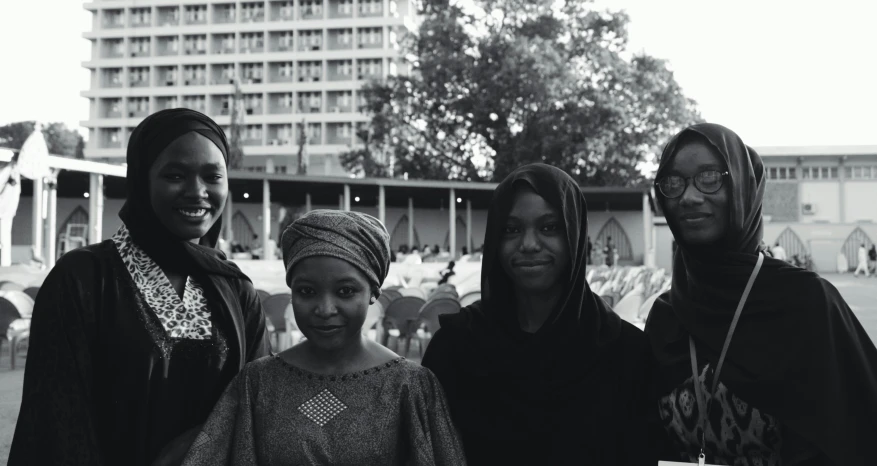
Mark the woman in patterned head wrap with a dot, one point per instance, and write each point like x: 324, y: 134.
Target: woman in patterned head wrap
x: 759, y: 362
x: 336, y: 398
x: 134, y: 339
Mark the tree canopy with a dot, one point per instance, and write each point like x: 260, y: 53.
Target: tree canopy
x: 491, y: 87
x: 59, y: 139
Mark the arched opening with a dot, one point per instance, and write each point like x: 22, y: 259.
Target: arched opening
x: 792, y: 244
x: 244, y: 234
x: 851, y: 246
x: 614, y: 231
x: 400, y: 234
x: 460, y: 235
x: 73, y: 233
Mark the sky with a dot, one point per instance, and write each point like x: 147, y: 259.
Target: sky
x: 778, y: 72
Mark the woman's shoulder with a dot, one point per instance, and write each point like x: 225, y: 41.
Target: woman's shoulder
x: 85, y: 261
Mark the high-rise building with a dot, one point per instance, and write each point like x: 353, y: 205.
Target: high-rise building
x: 299, y: 66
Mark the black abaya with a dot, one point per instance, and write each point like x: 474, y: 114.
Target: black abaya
x: 104, y: 384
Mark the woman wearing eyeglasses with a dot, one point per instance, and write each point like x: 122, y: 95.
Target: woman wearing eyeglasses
x: 758, y: 362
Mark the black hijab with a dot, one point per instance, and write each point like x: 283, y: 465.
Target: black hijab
x: 151, y: 136
x: 557, y: 395
x: 798, y: 352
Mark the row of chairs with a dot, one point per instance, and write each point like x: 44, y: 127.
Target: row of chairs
x: 403, y: 314
x: 16, y: 309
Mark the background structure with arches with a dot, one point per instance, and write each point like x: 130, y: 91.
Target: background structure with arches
x: 400, y: 235
x: 619, y: 238
x: 850, y: 248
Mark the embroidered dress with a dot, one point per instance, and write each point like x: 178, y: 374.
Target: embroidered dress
x: 181, y: 318
x: 737, y: 434
x: 274, y: 413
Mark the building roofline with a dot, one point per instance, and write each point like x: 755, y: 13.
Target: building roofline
x: 811, y: 151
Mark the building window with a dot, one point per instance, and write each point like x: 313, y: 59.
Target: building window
x: 861, y: 172
x: 286, y: 70
x: 312, y: 8
x: 196, y: 13
x: 345, y: 7
x: 781, y: 173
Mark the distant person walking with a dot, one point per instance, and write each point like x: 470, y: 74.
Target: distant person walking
x: 872, y: 258
x: 863, y: 262
x: 778, y: 252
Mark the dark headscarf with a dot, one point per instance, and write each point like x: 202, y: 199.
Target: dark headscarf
x: 579, y: 311
x: 553, y: 395
x: 798, y: 352
x: 354, y: 237
x: 152, y: 136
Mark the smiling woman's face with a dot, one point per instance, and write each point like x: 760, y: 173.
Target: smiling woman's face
x: 330, y: 299
x: 188, y: 186
x: 533, y: 250
x: 701, y: 219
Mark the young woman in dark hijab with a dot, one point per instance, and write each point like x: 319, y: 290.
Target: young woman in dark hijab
x: 784, y: 372
x: 541, y: 371
x: 134, y: 339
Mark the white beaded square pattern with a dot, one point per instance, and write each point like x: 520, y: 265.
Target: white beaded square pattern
x: 322, y: 407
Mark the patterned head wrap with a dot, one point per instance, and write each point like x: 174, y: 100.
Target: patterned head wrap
x: 355, y: 237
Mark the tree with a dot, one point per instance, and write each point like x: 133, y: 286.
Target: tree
x: 235, y: 147
x: 520, y: 81
x: 59, y: 139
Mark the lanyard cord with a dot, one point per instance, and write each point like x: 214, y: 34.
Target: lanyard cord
x: 704, y: 412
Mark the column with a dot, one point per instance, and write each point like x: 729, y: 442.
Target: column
x: 52, y: 220
x: 842, y: 197
x: 341, y: 201
x: 382, y: 204
x: 227, y: 215
x: 6, y: 242
x: 799, y: 174
x: 410, y: 223
x: 267, y: 250
x: 308, y: 207
x: 37, y: 226
x: 95, y: 207
x: 346, y: 197
x: 452, y: 219
x: 648, y: 252
x: 269, y: 164
x: 469, y: 225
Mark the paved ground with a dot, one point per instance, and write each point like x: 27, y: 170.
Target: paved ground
x: 860, y: 294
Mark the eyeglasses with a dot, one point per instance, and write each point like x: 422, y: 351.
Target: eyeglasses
x: 707, y: 182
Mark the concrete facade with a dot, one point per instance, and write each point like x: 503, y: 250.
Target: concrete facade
x: 296, y: 61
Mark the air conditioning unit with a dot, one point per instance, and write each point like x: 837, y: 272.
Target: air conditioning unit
x: 169, y: 83
x: 301, y: 78
x: 808, y: 208
x: 315, y: 47
x: 315, y: 79
x: 130, y: 114
x: 186, y: 82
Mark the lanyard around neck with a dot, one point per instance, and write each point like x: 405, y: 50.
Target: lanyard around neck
x: 703, y: 410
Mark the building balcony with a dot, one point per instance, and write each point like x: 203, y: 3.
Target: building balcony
x: 195, y: 82
x: 194, y: 51
x: 140, y: 83
x: 138, y: 113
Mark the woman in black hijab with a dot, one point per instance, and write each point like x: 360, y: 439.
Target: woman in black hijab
x: 134, y: 339
x: 797, y: 374
x: 541, y: 371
